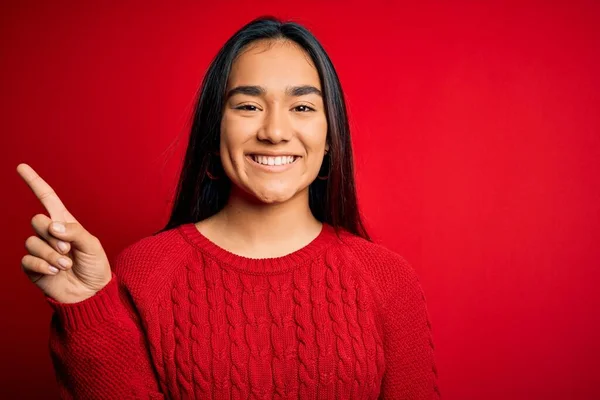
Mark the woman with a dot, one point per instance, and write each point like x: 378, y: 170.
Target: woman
x: 264, y: 283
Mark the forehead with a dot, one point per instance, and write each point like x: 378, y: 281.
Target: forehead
x: 274, y: 64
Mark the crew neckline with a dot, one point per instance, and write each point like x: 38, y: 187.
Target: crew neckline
x: 259, y: 266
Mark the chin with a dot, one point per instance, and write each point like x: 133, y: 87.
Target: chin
x: 273, y: 194
x: 272, y: 197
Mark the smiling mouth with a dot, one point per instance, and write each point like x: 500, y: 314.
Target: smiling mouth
x: 272, y: 160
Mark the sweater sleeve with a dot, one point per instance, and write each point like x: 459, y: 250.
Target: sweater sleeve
x: 410, y: 373
x: 98, y: 347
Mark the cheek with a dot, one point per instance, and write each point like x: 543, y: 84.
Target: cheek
x: 235, y: 133
x: 313, y: 133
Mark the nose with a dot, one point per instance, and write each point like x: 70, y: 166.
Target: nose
x: 276, y: 127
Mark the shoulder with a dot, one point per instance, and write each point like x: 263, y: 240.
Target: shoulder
x: 390, y: 272
x: 144, y: 264
x: 403, y: 302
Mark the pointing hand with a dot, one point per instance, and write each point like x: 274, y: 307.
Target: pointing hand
x: 68, y: 265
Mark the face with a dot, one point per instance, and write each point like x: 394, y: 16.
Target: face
x: 274, y: 128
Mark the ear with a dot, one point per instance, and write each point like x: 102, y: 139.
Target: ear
x: 326, y: 147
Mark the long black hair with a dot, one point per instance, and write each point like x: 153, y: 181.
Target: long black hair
x: 332, y: 200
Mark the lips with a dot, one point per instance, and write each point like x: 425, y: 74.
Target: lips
x: 273, y: 160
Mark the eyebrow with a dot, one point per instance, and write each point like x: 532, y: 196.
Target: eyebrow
x: 294, y: 91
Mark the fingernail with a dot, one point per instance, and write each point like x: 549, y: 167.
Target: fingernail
x: 53, y: 270
x: 62, y: 246
x: 63, y: 262
x: 58, y: 227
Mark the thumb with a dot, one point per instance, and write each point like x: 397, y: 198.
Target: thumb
x: 75, y: 233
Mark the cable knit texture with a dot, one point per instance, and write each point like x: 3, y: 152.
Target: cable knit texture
x: 341, y: 318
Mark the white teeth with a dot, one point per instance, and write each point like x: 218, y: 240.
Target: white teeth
x: 280, y: 160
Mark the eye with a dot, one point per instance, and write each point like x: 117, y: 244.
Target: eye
x: 303, y: 108
x: 247, y: 107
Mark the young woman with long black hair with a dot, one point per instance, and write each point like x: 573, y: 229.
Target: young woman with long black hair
x: 264, y: 283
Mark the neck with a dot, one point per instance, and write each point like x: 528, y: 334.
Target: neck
x: 257, y: 229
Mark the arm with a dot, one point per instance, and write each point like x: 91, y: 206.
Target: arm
x: 411, y: 372
x: 98, y: 347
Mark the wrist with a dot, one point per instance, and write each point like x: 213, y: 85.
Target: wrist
x: 83, y: 292
x: 89, y: 308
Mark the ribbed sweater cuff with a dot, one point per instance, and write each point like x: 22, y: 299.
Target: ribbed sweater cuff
x: 90, y: 311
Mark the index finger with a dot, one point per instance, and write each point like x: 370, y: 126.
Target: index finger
x: 45, y: 193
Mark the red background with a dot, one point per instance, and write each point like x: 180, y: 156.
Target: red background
x: 477, y: 140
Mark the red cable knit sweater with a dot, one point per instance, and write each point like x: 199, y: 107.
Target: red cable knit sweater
x: 341, y: 318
